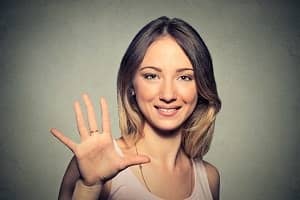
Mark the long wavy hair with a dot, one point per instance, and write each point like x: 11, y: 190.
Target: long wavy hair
x: 197, y: 130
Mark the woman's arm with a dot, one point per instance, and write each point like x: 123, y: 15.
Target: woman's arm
x: 96, y: 160
x: 213, y: 179
x: 72, y: 187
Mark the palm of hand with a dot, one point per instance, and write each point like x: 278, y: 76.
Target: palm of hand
x: 96, y: 155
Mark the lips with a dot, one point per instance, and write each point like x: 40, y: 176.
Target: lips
x: 167, y: 111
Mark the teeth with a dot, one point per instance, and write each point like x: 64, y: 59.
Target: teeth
x: 167, y: 110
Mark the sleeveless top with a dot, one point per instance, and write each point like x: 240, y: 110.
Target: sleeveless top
x: 126, y: 186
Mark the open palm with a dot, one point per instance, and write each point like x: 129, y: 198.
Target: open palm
x: 96, y: 155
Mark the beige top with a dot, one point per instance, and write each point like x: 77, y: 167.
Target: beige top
x: 126, y: 186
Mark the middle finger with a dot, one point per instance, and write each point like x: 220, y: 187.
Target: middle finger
x: 83, y: 131
x: 91, y: 114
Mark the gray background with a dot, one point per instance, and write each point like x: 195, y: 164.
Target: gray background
x: 53, y: 51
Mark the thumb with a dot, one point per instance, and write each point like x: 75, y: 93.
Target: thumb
x: 133, y: 160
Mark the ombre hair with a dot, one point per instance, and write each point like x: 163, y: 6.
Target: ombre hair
x: 197, y: 130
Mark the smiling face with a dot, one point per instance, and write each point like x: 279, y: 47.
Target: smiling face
x: 165, y: 86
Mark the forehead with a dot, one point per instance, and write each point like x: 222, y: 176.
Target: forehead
x: 165, y: 52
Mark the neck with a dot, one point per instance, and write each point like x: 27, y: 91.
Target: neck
x: 163, y: 148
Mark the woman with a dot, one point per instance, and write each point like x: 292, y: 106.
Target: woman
x: 168, y: 102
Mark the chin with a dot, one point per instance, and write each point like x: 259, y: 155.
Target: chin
x: 166, y: 129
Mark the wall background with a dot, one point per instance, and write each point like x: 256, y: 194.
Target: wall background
x: 52, y: 51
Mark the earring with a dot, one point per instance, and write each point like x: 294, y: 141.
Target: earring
x: 132, y: 92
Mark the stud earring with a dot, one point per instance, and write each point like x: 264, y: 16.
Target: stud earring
x: 132, y: 92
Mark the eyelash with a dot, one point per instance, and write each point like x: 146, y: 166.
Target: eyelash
x: 186, y: 78
x: 150, y: 76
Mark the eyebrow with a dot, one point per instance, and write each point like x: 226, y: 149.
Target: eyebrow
x: 159, y: 70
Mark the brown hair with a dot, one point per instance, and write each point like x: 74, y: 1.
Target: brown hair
x: 198, y: 129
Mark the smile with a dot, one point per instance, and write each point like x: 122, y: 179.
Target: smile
x: 167, y: 111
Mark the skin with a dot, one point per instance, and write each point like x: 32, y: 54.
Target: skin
x: 96, y: 158
x: 166, y: 94
x: 165, y: 87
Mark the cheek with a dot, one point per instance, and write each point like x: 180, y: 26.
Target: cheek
x: 144, y: 92
x: 189, y: 94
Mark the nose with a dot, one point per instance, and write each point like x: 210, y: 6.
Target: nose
x: 167, y: 92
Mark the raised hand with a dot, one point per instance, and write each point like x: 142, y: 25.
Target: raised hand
x: 96, y: 155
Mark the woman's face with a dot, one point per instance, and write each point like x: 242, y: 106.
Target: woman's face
x: 165, y: 86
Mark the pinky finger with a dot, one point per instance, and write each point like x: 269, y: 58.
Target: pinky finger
x: 65, y: 140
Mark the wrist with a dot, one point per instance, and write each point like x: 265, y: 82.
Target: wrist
x: 86, y: 192
x: 90, y: 183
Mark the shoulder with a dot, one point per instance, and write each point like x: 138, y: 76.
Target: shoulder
x: 213, y: 177
x: 71, y: 175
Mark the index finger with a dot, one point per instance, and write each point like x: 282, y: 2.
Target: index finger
x: 105, y: 116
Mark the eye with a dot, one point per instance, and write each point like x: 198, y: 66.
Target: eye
x: 185, y: 77
x: 150, y: 76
